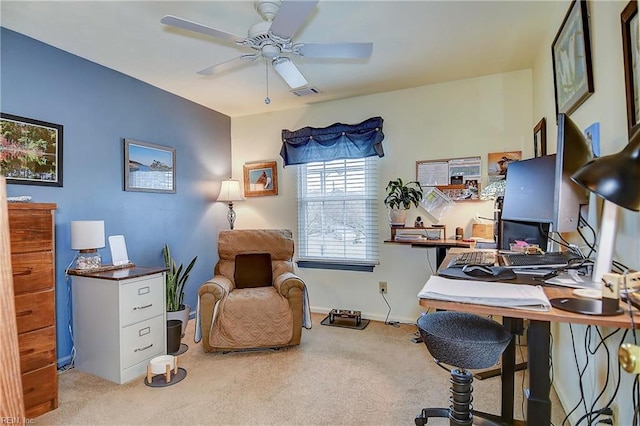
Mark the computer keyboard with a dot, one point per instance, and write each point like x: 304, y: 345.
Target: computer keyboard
x: 486, y: 258
x: 551, y: 259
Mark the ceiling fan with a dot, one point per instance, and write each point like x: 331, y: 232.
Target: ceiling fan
x: 272, y: 39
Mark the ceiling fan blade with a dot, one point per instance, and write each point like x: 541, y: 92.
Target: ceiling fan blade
x: 227, y: 65
x: 291, y: 16
x: 174, y: 21
x: 289, y: 72
x: 333, y: 50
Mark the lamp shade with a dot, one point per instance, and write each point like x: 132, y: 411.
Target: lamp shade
x: 616, y: 177
x: 230, y: 191
x: 87, y: 234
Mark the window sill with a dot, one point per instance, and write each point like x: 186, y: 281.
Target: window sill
x: 341, y: 266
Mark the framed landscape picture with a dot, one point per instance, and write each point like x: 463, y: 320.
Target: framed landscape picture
x: 260, y: 179
x: 149, y: 167
x: 30, y: 151
x: 571, y: 52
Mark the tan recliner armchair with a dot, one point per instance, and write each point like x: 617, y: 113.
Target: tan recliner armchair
x: 254, y: 299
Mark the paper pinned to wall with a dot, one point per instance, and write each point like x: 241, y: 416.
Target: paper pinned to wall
x: 436, y: 202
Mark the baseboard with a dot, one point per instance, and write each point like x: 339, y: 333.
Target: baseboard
x: 367, y: 315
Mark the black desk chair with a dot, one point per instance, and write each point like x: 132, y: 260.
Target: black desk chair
x: 465, y: 341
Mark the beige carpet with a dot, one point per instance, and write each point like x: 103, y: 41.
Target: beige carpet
x: 337, y: 376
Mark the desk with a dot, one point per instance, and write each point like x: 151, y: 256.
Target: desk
x: 441, y: 246
x: 539, y: 404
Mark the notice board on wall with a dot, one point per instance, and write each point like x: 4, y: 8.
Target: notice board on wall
x: 458, y: 178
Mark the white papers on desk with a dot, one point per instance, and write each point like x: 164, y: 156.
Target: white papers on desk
x: 518, y: 296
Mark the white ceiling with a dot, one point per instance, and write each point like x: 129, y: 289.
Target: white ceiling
x: 415, y: 43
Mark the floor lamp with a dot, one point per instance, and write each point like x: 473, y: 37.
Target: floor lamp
x: 230, y: 192
x: 615, y: 178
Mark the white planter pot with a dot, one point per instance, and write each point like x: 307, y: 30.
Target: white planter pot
x: 182, y: 315
x: 397, y: 217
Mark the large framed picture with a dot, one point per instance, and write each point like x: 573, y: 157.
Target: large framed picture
x: 540, y: 138
x: 149, y: 167
x: 630, y: 52
x: 571, y: 52
x: 260, y: 179
x: 30, y: 151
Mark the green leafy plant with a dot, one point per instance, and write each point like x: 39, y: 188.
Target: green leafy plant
x: 401, y: 195
x: 175, y: 280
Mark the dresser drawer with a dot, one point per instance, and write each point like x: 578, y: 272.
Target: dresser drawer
x: 32, y: 271
x: 32, y: 231
x: 35, y: 310
x: 37, y: 349
x: 40, y: 389
x: 142, y: 341
x: 141, y: 299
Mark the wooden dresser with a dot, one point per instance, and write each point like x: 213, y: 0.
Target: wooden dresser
x: 32, y: 235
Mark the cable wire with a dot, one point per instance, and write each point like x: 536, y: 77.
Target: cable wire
x: 386, y: 320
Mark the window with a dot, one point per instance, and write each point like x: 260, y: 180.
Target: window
x: 337, y: 214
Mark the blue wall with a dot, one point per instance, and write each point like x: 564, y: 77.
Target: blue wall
x: 98, y: 107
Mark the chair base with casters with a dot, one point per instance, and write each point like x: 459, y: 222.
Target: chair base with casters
x: 466, y: 341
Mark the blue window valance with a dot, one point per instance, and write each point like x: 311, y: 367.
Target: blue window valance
x: 338, y: 141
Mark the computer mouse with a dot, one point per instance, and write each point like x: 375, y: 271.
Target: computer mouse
x: 478, y: 271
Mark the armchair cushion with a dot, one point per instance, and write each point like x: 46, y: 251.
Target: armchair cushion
x: 253, y: 270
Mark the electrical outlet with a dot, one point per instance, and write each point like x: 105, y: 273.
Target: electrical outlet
x: 382, y: 286
x: 612, y: 283
x: 633, y: 280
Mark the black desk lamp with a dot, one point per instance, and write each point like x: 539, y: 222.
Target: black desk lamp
x: 616, y: 178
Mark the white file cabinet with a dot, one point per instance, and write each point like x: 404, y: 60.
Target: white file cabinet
x: 119, y: 321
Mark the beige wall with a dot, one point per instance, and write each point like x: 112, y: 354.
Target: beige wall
x: 607, y: 106
x: 457, y: 119
x: 461, y: 118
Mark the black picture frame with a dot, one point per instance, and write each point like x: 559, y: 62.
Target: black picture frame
x: 540, y: 138
x: 30, y: 151
x: 571, y: 58
x: 149, y: 167
x: 630, y: 53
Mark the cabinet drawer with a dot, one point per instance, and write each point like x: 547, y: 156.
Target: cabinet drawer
x: 37, y: 349
x: 142, y: 341
x: 40, y: 389
x: 32, y: 271
x: 31, y: 232
x: 141, y: 299
x: 35, y: 310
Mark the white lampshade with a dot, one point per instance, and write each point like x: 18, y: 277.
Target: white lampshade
x: 230, y: 191
x: 87, y: 234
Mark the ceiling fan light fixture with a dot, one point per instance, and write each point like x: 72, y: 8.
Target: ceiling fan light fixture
x: 289, y: 72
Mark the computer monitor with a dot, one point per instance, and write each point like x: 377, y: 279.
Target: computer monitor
x: 541, y: 190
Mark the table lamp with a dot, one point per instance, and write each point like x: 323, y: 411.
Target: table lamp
x: 230, y: 192
x: 615, y: 178
x: 87, y: 236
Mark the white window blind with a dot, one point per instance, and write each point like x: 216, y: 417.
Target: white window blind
x: 338, y: 211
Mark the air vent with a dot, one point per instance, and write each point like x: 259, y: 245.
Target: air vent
x: 306, y: 91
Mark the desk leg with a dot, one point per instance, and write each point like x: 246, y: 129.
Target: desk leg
x: 441, y: 253
x: 512, y: 325
x: 539, y: 404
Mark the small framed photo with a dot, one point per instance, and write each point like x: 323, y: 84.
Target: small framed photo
x: 30, y: 151
x: 540, y: 138
x: 571, y: 53
x: 149, y: 167
x: 261, y: 179
x: 631, y: 52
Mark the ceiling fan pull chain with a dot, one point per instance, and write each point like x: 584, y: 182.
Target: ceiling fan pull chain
x: 266, y: 70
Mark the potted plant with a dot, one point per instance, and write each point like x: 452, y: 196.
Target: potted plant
x: 400, y: 196
x: 175, y: 280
